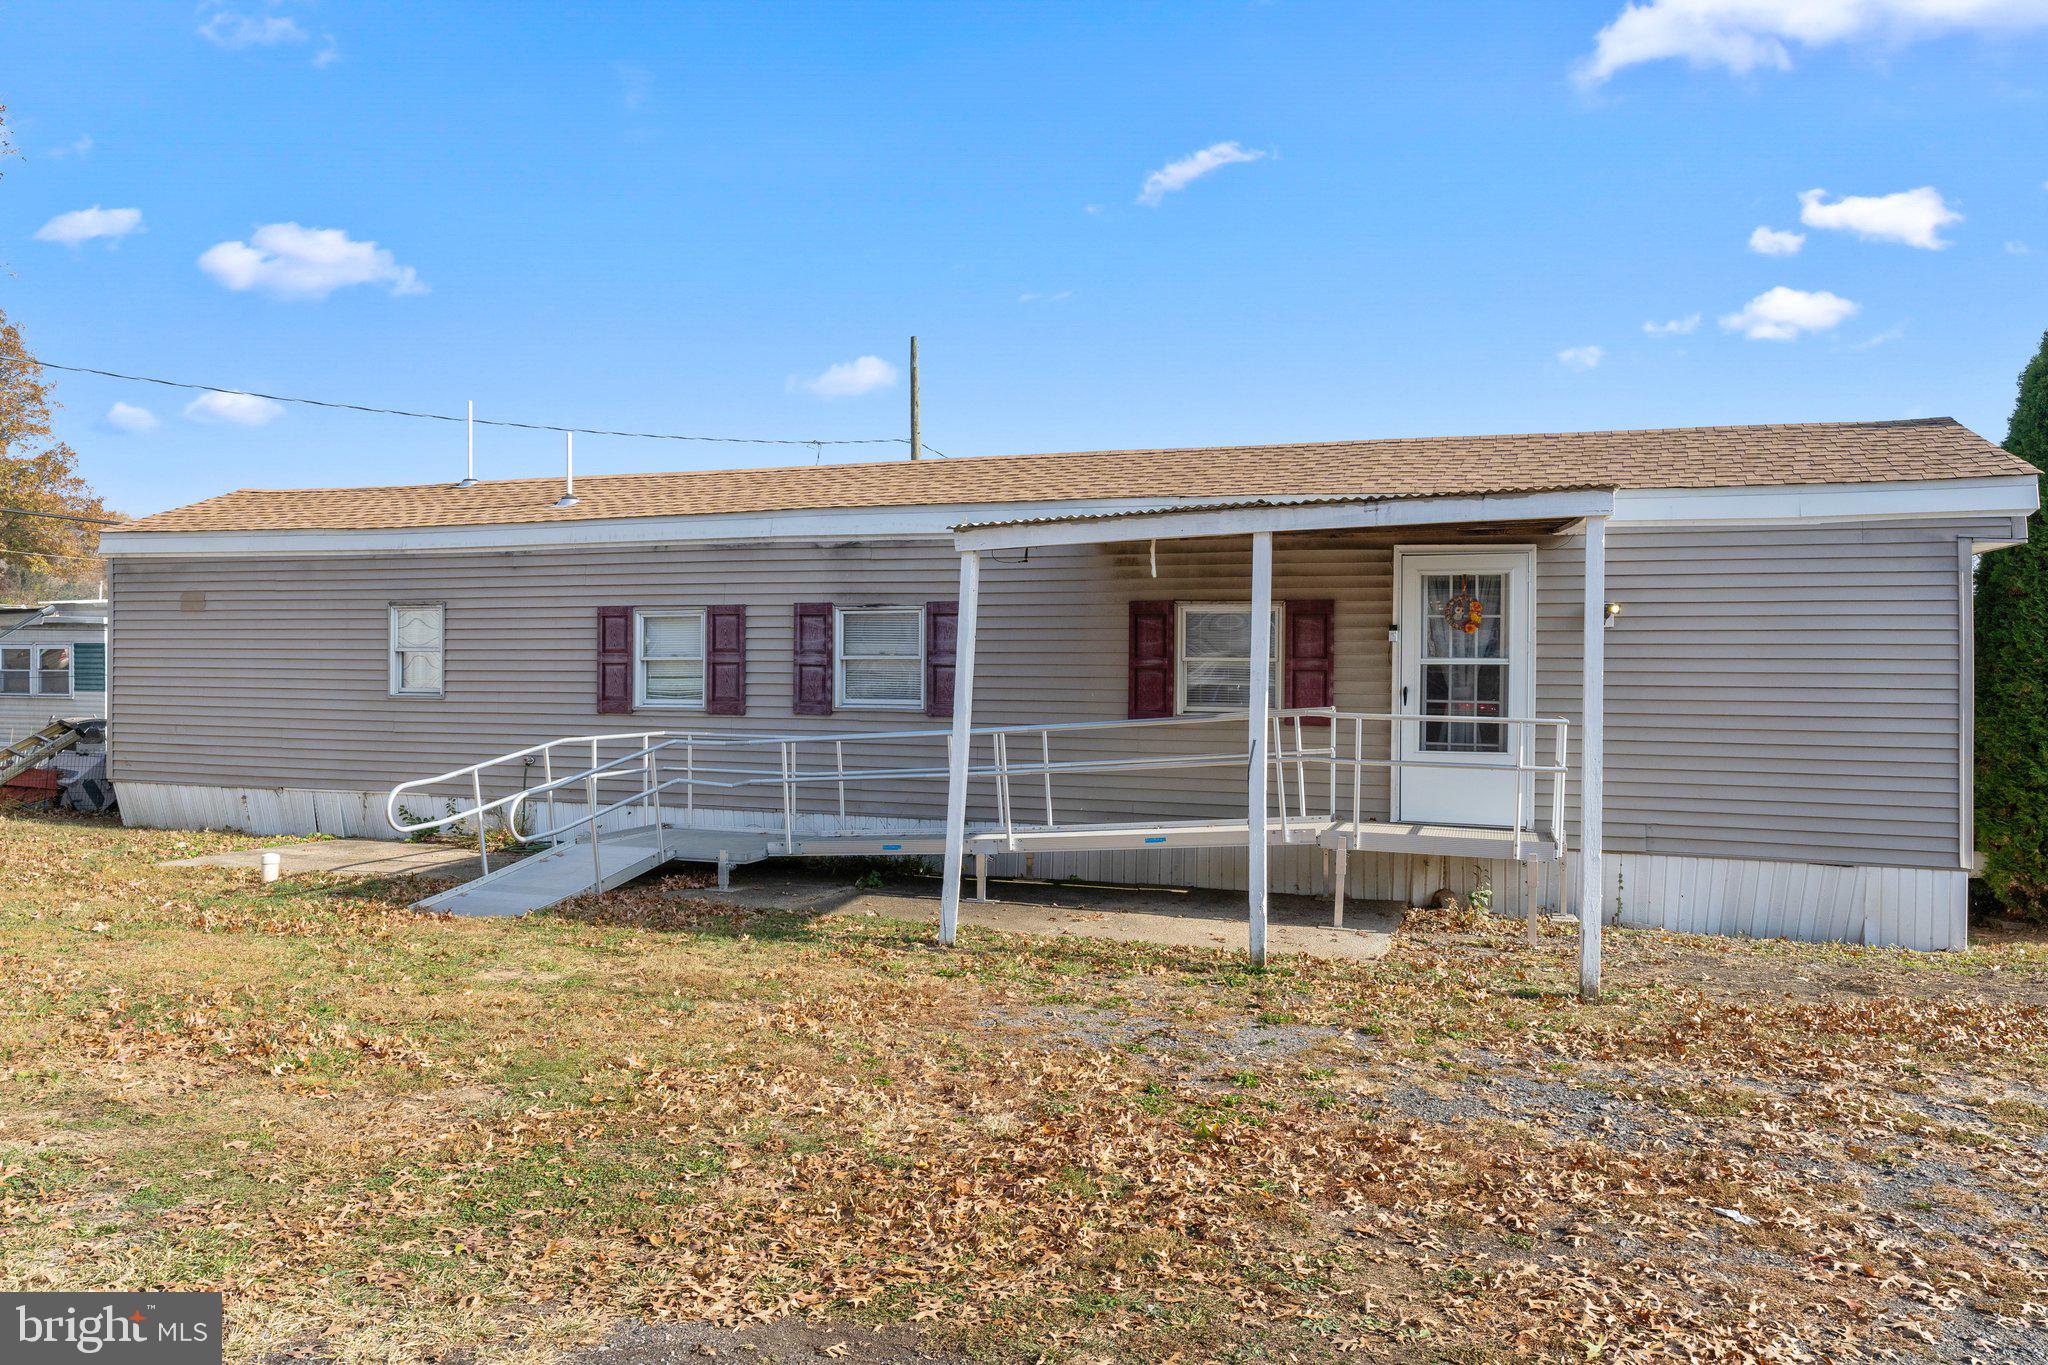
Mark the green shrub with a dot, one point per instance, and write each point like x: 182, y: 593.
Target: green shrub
x: 2012, y: 685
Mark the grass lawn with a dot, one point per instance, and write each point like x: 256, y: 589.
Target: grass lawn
x: 396, y: 1137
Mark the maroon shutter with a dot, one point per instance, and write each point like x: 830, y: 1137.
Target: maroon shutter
x: 614, y: 660
x: 1151, y: 660
x: 725, y: 661
x: 1311, y: 655
x: 813, y: 682
x: 941, y: 640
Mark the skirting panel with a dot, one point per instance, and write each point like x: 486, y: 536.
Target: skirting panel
x: 1881, y: 906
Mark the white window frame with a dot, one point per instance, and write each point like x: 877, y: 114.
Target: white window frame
x: 640, y: 618
x: 394, y: 671
x: 839, y: 701
x: 35, y: 669
x: 1276, y: 666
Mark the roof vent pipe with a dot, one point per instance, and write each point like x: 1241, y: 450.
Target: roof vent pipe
x: 469, y: 479
x: 568, y: 498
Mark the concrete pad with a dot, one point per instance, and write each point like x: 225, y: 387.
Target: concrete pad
x: 1163, y: 916
x: 351, y: 858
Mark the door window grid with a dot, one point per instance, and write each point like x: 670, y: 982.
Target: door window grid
x: 1464, y: 670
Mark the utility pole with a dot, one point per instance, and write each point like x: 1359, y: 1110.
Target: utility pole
x: 914, y: 452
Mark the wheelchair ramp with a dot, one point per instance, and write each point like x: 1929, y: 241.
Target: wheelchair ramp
x: 551, y: 877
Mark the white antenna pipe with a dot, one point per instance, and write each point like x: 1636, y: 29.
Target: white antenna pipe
x: 469, y: 427
x: 568, y: 498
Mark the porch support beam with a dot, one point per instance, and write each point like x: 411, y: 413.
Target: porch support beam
x: 961, y: 743
x: 1592, y: 757
x: 1255, y: 795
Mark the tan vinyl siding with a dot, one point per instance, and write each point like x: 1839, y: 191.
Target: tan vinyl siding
x: 1790, y: 693
x: 1774, y: 693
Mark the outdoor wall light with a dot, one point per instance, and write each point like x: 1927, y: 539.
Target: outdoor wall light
x: 1613, y: 610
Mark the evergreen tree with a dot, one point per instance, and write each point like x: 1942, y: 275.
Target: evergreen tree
x: 2012, y: 684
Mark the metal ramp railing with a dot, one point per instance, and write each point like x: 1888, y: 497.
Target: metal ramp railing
x: 650, y: 785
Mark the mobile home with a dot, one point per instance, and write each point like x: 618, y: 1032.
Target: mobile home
x: 1058, y: 660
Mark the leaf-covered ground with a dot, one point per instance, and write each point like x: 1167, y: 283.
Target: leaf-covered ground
x: 395, y: 1137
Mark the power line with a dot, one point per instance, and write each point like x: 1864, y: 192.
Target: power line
x: 63, y: 516
x: 481, y: 421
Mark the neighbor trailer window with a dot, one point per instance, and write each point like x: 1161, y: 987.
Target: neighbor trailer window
x: 416, y: 648
x: 881, y: 658
x: 35, y: 670
x: 1215, y: 656
x: 669, y: 659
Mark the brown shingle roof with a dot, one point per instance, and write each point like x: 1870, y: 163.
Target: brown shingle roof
x: 1693, y: 457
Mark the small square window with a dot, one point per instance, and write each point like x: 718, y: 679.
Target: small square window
x: 881, y: 658
x: 669, y: 659
x: 1215, y: 646
x: 53, y: 671
x: 417, y: 630
x: 16, y: 672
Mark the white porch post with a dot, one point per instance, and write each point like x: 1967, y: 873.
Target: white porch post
x: 1255, y: 796
x: 962, y: 741
x: 1592, y: 757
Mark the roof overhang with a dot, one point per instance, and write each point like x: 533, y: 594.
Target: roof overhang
x: 1282, y: 514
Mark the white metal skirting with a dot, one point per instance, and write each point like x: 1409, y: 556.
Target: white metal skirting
x: 1884, y: 906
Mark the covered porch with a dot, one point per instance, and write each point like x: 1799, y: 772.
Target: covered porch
x: 1460, y: 765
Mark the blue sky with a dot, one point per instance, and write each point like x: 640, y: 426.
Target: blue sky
x: 1408, y: 220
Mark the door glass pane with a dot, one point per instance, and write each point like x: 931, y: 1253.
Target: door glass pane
x: 1464, y: 663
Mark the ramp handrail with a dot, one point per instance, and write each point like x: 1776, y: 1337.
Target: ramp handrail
x: 1300, y: 739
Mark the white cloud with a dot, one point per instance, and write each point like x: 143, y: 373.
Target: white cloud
x: 1581, y: 357
x: 1769, y: 241
x: 78, y: 146
x: 287, y: 261
x: 2015, y: 247
x: 1910, y: 217
x: 235, y: 31
x: 233, y: 409
x: 329, y: 53
x: 849, y: 379
x: 1884, y: 338
x: 131, y: 419
x: 1748, y: 35
x: 1178, y: 175
x: 1781, y: 314
x: 85, y: 225
x: 1060, y: 297
x: 1677, y: 327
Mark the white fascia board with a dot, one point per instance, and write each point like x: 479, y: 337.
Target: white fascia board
x: 2004, y: 496
x: 2013, y: 496
x: 824, y: 525
x: 1323, y: 516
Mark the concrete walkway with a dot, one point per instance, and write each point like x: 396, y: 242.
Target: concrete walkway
x: 1166, y: 917
x: 351, y: 858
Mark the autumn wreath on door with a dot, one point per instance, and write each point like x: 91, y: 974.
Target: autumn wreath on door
x: 1464, y: 611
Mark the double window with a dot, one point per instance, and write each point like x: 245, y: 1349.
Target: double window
x: 668, y: 659
x: 1215, y: 656
x: 35, y: 671
x: 417, y: 648
x: 881, y: 658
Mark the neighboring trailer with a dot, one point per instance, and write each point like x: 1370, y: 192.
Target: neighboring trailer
x: 53, y: 663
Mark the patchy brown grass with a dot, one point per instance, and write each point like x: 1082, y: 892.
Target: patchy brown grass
x: 398, y: 1137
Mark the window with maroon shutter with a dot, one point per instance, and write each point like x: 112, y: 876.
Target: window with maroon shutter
x: 941, y: 641
x: 813, y: 680
x: 614, y: 660
x: 1311, y: 655
x: 1151, y: 660
x: 725, y: 661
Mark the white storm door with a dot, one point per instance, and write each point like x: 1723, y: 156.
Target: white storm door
x: 1466, y: 663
